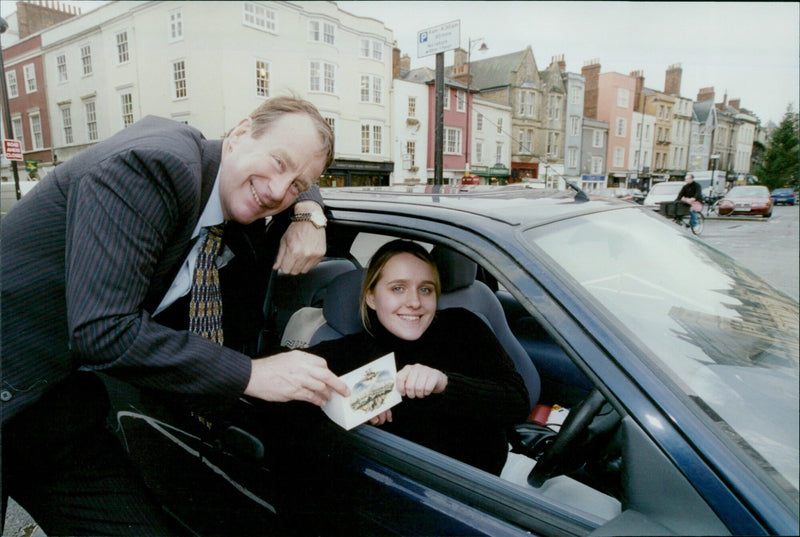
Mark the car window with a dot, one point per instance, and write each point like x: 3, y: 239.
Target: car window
x: 721, y: 337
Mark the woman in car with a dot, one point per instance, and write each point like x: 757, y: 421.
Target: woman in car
x: 460, y: 388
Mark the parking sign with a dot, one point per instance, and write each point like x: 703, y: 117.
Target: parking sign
x: 439, y: 39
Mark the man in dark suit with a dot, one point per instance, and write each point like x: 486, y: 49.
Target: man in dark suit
x: 97, y: 260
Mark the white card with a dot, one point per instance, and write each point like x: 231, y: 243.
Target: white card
x: 372, y: 390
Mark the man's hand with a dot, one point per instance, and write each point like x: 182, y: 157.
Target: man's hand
x: 303, y: 246
x: 294, y: 376
x: 420, y: 381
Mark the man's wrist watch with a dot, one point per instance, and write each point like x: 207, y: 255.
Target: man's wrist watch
x: 317, y: 218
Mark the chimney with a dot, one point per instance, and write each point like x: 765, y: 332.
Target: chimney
x: 405, y: 62
x: 637, y: 93
x: 705, y: 94
x: 735, y: 103
x: 591, y: 74
x: 672, y: 79
x: 397, y: 63
x: 559, y: 60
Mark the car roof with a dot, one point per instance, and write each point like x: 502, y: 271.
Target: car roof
x: 511, y: 204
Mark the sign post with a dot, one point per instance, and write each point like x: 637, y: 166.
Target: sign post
x: 437, y: 40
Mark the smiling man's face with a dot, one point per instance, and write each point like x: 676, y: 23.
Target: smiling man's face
x: 262, y: 176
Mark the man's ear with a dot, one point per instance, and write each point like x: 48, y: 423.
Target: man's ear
x: 241, y: 129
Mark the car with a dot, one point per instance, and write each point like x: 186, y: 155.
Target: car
x: 666, y: 191
x: 783, y: 195
x: 746, y: 200
x: 679, y: 370
x: 616, y: 192
x: 638, y: 195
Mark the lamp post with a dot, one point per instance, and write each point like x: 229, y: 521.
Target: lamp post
x: 6, y: 110
x: 472, y: 43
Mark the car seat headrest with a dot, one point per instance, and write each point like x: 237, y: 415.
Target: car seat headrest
x: 455, y: 270
x: 342, y: 301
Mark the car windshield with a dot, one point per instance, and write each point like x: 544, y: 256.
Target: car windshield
x: 724, y: 337
x: 748, y: 192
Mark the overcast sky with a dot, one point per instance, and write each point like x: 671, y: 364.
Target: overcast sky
x: 751, y: 50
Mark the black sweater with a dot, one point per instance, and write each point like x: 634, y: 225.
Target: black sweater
x: 484, y: 393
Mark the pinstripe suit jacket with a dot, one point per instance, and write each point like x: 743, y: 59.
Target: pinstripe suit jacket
x: 88, y: 254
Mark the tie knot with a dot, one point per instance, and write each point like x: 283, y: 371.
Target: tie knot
x: 216, y: 231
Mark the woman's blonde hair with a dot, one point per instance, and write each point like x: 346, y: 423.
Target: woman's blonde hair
x: 379, y: 260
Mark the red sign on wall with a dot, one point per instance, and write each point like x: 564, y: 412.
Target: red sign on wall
x: 13, y: 150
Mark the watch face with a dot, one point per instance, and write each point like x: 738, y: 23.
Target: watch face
x: 318, y: 219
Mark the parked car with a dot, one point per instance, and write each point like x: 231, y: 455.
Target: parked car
x: 616, y: 192
x: 680, y: 370
x: 783, y: 195
x: 638, y: 195
x: 667, y: 191
x: 746, y: 200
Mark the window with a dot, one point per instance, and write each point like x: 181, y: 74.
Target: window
x: 479, y: 122
x: 574, y: 126
x: 11, y: 83
x: 262, y: 78
x: 411, y: 151
x: 461, y: 101
x: 91, y: 120
x: 499, y: 125
x: 36, y: 130
x: 122, y: 47
x: 525, y: 140
x: 16, y: 130
x: 331, y: 121
x: 179, y: 79
x: 554, y: 107
x: 623, y: 97
x: 647, y: 136
x: 498, y: 152
x: 412, y: 107
x: 322, y: 32
x: 86, y: 59
x: 452, y: 141
x: 175, y: 25
x: 371, y: 48
x: 619, y: 157
x: 322, y: 77
x: 478, y: 151
x: 659, y: 134
x: 636, y: 159
x: 621, y: 127
x: 371, y: 138
x: 30, y: 78
x: 66, y: 122
x: 526, y: 103
x: 260, y: 17
x: 553, y: 143
x: 575, y: 95
x: 597, y: 138
x: 572, y: 157
x: 61, y: 67
x: 371, y: 89
x: 446, y: 100
x: 126, y: 106
x: 597, y: 165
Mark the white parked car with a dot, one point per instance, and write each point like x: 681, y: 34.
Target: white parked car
x: 662, y: 192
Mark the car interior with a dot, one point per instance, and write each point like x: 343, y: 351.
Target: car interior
x: 323, y: 304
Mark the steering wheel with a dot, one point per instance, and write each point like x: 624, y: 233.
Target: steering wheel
x: 575, y: 440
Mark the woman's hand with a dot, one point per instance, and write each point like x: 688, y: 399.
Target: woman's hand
x: 419, y: 380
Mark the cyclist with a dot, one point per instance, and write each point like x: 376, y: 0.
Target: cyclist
x: 692, y: 195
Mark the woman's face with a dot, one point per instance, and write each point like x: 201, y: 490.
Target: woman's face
x: 404, y: 297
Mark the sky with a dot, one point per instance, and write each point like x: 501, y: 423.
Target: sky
x: 751, y: 50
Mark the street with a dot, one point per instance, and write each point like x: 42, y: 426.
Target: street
x: 768, y: 247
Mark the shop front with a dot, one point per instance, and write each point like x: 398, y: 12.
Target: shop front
x: 343, y: 172
x: 524, y: 171
x: 494, y: 175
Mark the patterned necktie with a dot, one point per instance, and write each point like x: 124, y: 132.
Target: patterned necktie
x: 205, y: 307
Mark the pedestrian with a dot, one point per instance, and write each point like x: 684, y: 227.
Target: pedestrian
x: 691, y: 194
x: 460, y: 389
x: 111, y: 264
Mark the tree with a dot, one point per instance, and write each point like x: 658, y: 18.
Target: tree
x: 780, y: 164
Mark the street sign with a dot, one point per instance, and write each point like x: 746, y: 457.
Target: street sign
x: 439, y: 39
x: 13, y: 149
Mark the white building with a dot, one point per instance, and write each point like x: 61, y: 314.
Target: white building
x: 209, y: 64
x: 644, y: 126
x: 680, y: 134
x: 491, y: 141
x: 410, y: 120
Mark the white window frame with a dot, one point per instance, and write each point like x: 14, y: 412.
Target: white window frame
x: 29, y: 71
x: 452, y: 141
x: 461, y: 101
x: 321, y: 77
x: 574, y: 126
x: 623, y: 97
x: 90, y: 114
x: 572, y: 157
x: 479, y: 122
x: 61, y: 68
x: 66, y: 124
x: 126, y: 108
x: 527, y: 101
x: 411, y: 151
x: 11, y: 84
x: 478, y: 151
x: 498, y: 151
x: 554, y: 107
x: 86, y: 59
x: 16, y: 130
x: 262, y: 76
x: 446, y: 99
x: 35, y: 123
x: 554, y: 143
x: 620, y: 127
x: 180, y: 89
x: 372, y: 85
x: 619, y: 157
x: 331, y: 120
x: 122, y: 46
x: 372, y: 137
x: 322, y: 31
x: 175, y: 25
x: 412, y: 107
x: 597, y: 165
x: 260, y: 17
x: 597, y: 138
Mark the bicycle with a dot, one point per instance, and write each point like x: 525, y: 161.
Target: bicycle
x: 678, y: 212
